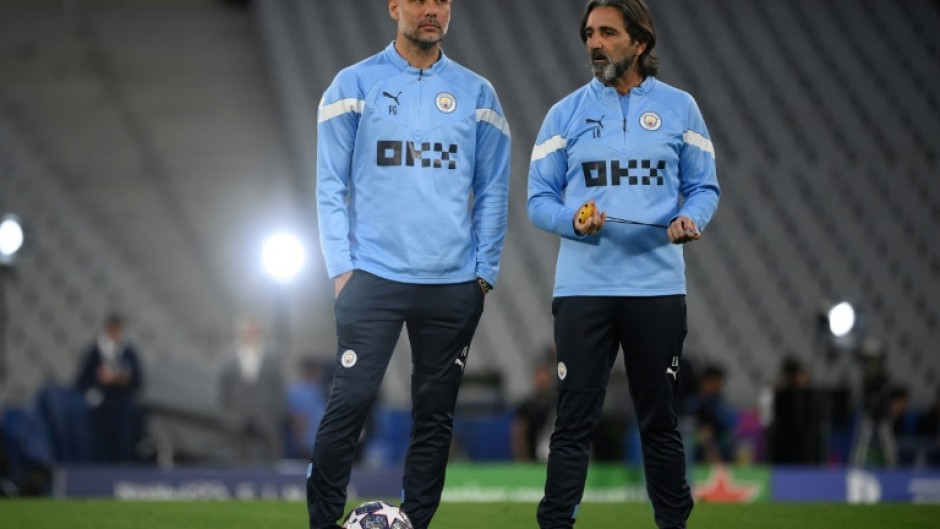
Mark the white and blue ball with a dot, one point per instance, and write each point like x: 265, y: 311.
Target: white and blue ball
x: 377, y: 515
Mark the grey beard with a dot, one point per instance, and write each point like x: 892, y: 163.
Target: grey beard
x: 612, y: 71
x: 424, y: 44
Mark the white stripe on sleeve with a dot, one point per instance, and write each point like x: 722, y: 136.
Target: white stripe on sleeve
x: 548, y: 146
x: 341, y: 107
x: 694, y: 138
x: 493, y: 118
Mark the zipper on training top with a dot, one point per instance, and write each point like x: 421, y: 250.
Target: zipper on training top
x: 626, y: 112
x: 420, y: 99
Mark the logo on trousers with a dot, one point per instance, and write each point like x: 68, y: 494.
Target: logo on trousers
x: 349, y: 358
x: 461, y: 360
x: 674, y: 368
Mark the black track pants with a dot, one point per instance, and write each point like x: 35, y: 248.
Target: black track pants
x: 370, y: 312
x: 588, y: 333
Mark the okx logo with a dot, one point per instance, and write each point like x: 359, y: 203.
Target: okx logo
x: 395, y: 153
x: 636, y: 172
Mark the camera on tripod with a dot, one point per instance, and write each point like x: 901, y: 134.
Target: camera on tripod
x: 871, y: 356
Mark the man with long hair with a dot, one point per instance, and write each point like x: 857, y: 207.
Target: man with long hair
x: 633, y: 147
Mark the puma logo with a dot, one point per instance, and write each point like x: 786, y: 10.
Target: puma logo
x: 674, y: 368
x: 462, y: 357
x: 393, y: 98
x: 598, y: 122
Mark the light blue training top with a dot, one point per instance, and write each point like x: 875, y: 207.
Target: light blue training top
x: 646, y: 157
x: 412, y: 172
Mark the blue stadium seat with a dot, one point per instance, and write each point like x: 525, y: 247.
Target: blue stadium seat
x: 66, y: 418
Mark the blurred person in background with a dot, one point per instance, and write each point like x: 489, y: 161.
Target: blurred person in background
x: 793, y: 431
x: 928, y: 430
x: 712, y: 419
x: 7, y: 485
x: 26, y: 462
x: 928, y: 424
x: 903, y: 422
x: 110, y: 377
x: 306, y: 401
x: 637, y: 147
x: 251, y: 393
x: 412, y: 203
x: 534, y: 418
x: 872, y: 356
x: 904, y: 425
x: 793, y: 374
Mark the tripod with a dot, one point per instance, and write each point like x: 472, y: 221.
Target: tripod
x: 885, y: 438
x: 871, y: 356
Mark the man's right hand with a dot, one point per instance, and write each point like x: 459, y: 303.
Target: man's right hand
x: 588, y: 220
x: 340, y: 282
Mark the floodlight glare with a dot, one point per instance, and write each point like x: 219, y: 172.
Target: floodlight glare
x: 283, y: 256
x: 841, y: 319
x: 11, y: 237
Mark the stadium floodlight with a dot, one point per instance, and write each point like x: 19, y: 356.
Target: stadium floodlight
x: 283, y: 257
x: 841, y: 319
x: 11, y: 238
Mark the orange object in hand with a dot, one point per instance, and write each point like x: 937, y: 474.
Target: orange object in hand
x: 587, y: 211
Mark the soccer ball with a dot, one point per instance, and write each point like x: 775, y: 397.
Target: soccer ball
x: 377, y: 515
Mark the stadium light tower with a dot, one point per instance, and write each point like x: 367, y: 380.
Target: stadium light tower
x: 841, y: 319
x: 11, y: 238
x: 11, y: 242
x: 834, y: 339
x: 283, y: 257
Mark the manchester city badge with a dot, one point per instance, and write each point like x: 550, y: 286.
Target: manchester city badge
x: 651, y: 121
x: 446, y: 102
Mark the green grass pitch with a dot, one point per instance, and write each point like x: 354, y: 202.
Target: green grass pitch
x: 106, y: 514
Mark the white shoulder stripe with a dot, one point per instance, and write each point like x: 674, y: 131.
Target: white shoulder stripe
x: 548, y: 146
x: 694, y: 138
x: 340, y: 107
x: 493, y: 118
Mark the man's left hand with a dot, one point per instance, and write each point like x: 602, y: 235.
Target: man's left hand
x: 683, y: 230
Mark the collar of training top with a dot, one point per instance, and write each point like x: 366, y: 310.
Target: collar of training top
x: 640, y: 89
x: 395, y: 58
